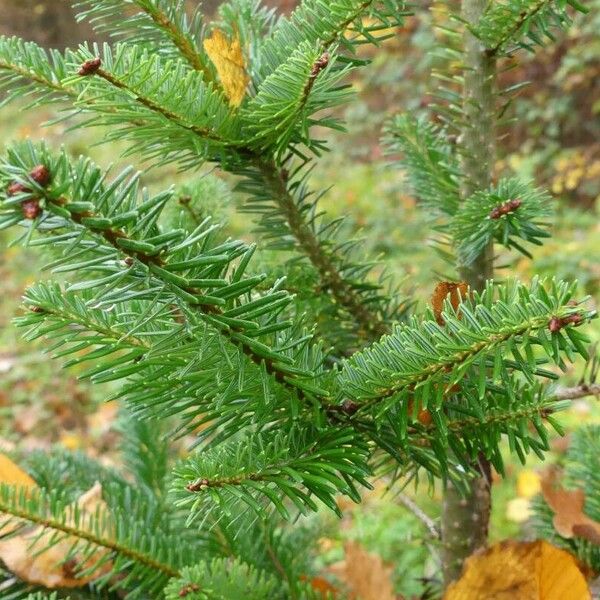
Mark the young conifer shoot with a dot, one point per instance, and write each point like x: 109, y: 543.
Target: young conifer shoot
x: 291, y: 404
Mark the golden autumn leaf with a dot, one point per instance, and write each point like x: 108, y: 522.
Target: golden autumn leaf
x: 514, y: 570
x: 366, y: 575
x: 568, y: 506
x: 35, y: 557
x: 528, y: 483
x: 11, y: 474
x: 456, y: 291
x: 229, y: 62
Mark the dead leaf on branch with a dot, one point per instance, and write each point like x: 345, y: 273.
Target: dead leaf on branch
x: 520, y: 571
x: 230, y: 64
x: 457, y: 292
x: 568, y: 507
x: 35, y: 555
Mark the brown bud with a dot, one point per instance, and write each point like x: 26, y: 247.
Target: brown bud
x: 89, y: 67
x: 31, y: 208
x: 320, y: 64
x: 557, y: 324
x: 36, y: 309
x: 575, y: 319
x: 554, y: 325
x: 504, y: 209
x: 197, y: 486
x: 349, y: 407
x: 128, y: 261
x: 41, y: 175
x: 16, y: 188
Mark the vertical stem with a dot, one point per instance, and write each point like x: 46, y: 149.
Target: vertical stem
x: 465, y: 518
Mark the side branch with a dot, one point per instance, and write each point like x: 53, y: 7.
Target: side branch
x: 579, y: 391
x: 182, y: 43
x: 212, y: 313
x: 332, y: 279
x: 89, y: 537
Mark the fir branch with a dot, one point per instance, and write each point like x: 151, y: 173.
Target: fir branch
x: 578, y: 391
x: 523, y: 23
x: 511, y: 212
x: 233, y: 324
x: 274, y: 466
x: 425, y: 360
x: 156, y: 21
x: 116, y: 82
x: 47, y: 512
x: 324, y: 262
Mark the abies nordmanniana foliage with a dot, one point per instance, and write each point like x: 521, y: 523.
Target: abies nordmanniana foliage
x: 287, y: 415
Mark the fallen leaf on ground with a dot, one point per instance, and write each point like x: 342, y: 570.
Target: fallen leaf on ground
x: 568, y: 506
x: 12, y: 474
x: 22, y: 553
x: 456, y: 291
x: 520, y: 571
x: 229, y: 62
x: 320, y: 584
x: 365, y: 575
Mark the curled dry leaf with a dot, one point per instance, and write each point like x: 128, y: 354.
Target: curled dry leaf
x: 34, y: 554
x: 229, y: 62
x: 520, y: 571
x: 568, y: 506
x: 456, y: 291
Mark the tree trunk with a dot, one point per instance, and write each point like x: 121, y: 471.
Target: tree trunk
x: 465, y: 519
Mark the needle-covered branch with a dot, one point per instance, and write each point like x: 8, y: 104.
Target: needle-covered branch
x: 423, y: 361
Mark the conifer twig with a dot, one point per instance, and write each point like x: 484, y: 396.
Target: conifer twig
x: 578, y: 391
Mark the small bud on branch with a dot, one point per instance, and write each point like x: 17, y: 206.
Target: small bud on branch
x: 90, y: 67
x: 505, y: 209
x: 31, y: 208
x: 41, y: 175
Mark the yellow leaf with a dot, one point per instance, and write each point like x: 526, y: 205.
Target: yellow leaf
x: 228, y: 59
x: 11, y: 474
x: 71, y: 441
x: 37, y: 557
x: 520, y: 571
x: 528, y: 484
x: 14, y: 475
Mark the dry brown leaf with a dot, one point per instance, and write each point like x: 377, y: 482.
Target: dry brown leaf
x: 320, y: 584
x: 23, y: 554
x: 520, y: 571
x: 229, y: 62
x: 568, y: 506
x: 456, y: 291
x: 366, y: 575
